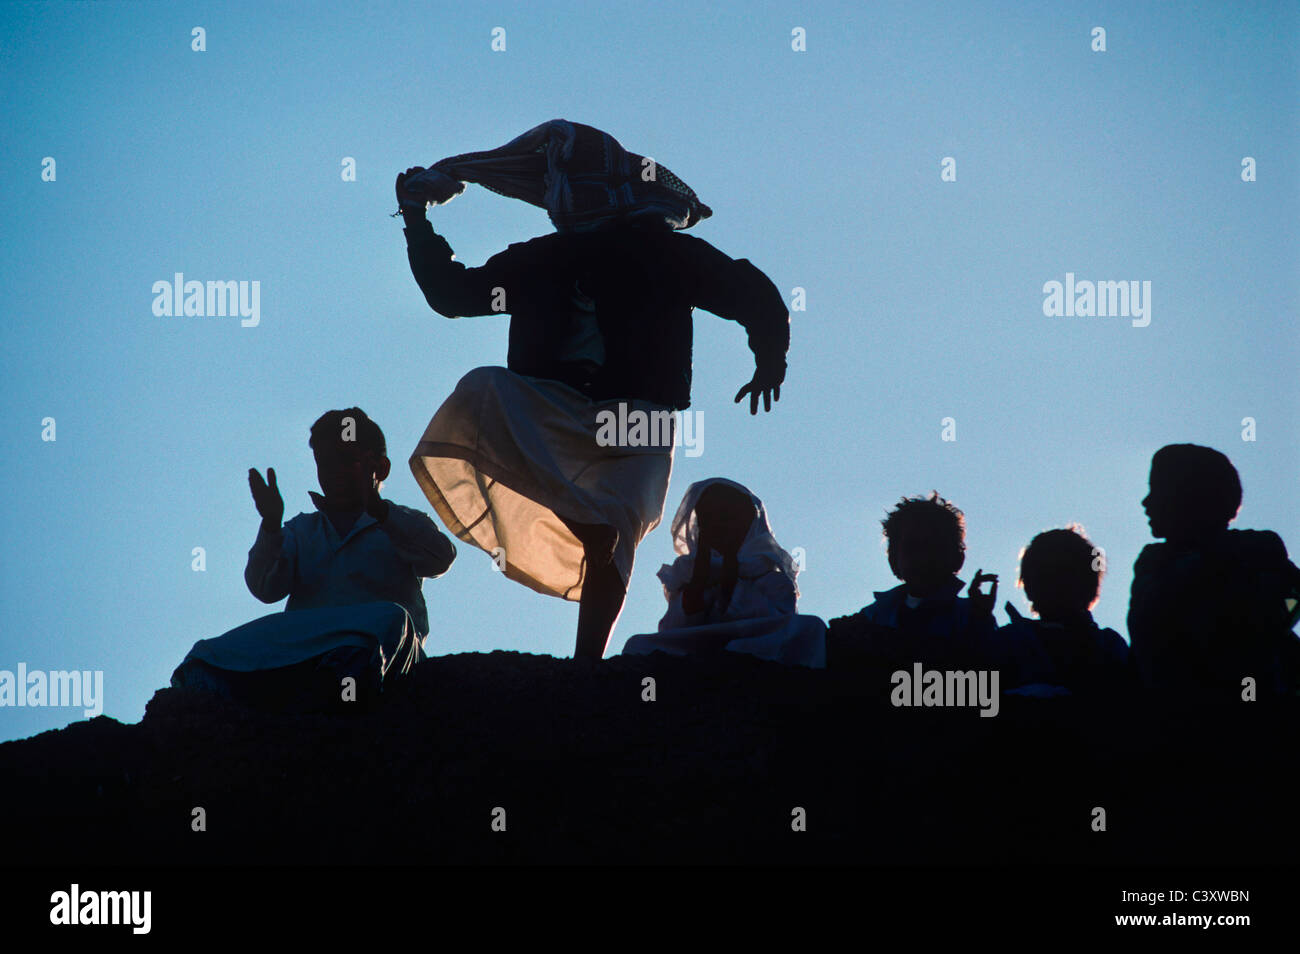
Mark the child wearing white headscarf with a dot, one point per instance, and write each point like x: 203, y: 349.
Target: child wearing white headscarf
x: 732, y: 585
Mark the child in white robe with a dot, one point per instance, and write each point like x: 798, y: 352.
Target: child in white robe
x: 733, y: 586
x: 352, y: 571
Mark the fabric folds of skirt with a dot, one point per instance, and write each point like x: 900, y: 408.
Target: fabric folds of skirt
x: 508, y: 455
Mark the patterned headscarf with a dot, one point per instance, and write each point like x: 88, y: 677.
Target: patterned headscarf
x: 582, y: 177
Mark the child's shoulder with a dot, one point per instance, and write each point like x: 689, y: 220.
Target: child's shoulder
x: 304, y: 521
x: 1153, y: 554
x: 1112, y: 641
x: 1258, y: 546
x: 1018, y: 624
x: 889, y: 597
x: 873, y: 610
x: 865, y: 615
x: 1249, y: 551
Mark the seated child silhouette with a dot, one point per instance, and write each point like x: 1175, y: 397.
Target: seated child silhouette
x: 352, y: 571
x: 1061, y: 574
x: 1210, y: 607
x: 924, y: 619
x: 732, y: 587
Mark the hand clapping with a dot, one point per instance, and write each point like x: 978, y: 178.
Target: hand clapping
x: 266, y: 496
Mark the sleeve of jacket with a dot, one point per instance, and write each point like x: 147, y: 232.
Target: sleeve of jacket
x: 272, y: 563
x: 736, y: 290
x: 418, y: 541
x: 455, y: 290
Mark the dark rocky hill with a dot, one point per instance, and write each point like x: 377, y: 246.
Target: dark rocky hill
x: 711, y: 771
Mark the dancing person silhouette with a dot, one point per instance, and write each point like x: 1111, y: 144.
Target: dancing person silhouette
x: 522, y: 461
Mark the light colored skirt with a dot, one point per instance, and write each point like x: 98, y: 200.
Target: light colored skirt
x: 507, y: 455
x: 792, y: 640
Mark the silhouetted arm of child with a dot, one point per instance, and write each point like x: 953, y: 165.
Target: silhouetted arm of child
x: 414, y: 535
x: 981, y: 604
x: 272, y: 562
x: 983, y: 627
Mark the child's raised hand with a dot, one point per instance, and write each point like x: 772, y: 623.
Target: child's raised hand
x: 983, y: 602
x: 266, y: 496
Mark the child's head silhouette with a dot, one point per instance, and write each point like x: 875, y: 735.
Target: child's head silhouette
x: 1061, y: 573
x: 725, y: 515
x: 1195, y: 491
x: 927, y: 542
x: 351, y: 457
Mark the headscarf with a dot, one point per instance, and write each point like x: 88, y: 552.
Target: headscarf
x: 759, y: 551
x: 582, y: 177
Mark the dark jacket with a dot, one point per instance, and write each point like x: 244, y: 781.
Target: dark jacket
x: 1203, y: 617
x: 1075, y: 653
x: 943, y: 633
x: 644, y: 285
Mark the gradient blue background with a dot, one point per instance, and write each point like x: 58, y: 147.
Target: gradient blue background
x: 924, y: 298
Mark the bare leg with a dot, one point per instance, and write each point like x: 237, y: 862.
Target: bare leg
x: 602, y: 600
x: 603, y: 589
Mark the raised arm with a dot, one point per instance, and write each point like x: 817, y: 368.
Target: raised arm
x: 273, y: 558
x: 451, y: 289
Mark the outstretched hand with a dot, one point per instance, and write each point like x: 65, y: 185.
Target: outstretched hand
x: 767, y: 382
x: 983, y: 603
x: 266, y: 496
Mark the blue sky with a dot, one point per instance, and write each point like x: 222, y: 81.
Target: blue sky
x: 924, y: 298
